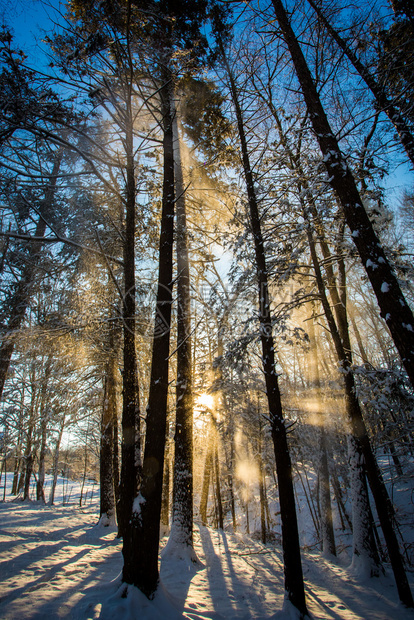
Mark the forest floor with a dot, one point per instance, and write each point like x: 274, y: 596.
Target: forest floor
x: 55, y: 562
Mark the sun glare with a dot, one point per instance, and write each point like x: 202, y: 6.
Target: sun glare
x: 205, y: 400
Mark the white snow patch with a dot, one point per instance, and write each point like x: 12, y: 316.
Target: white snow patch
x: 129, y: 603
x: 385, y: 287
x: 177, y: 549
x: 289, y: 612
x: 107, y: 520
x: 56, y: 564
x: 369, y: 263
x: 138, y: 502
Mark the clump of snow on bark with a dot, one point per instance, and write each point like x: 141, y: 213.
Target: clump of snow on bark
x: 138, y: 502
x: 385, y: 287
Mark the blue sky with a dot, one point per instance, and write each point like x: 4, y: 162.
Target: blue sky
x: 30, y: 19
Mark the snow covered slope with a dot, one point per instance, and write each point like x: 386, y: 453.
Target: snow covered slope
x: 56, y: 563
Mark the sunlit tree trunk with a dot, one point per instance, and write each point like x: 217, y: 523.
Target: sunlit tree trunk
x: 44, y: 419
x: 165, y: 505
x: 29, y: 456
x: 18, y: 448
x: 208, y: 466
x: 56, y: 460
x: 216, y: 464
x: 229, y: 417
x: 262, y: 497
x: 362, y: 456
x: 327, y: 529
x: 85, y: 463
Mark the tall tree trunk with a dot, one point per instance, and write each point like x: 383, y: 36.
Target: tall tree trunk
x: 24, y: 289
x: 140, y: 548
x: 294, y: 585
x: 130, y: 461
x: 108, y: 421
x: 383, y: 103
x: 180, y: 542
x: 44, y: 419
x: 85, y: 465
x: 394, y: 308
x: 208, y: 466
x: 40, y: 485
x: 262, y: 496
x: 56, y: 461
x: 328, y: 536
x: 18, y: 457
x: 28, y: 458
x: 16, y: 470
x: 165, y: 502
x: 364, y: 552
x: 363, y: 452
x: 343, y: 515
x: 216, y: 464
x: 361, y: 347
x: 115, y: 462
x: 365, y: 556
x: 228, y: 415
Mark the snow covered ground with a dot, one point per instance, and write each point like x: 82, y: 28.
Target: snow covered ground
x: 56, y: 563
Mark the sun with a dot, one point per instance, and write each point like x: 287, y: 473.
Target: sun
x: 205, y: 400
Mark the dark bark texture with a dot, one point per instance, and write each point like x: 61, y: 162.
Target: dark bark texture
x: 363, y: 451
x: 109, y: 420
x: 384, y: 104
x: 394, y: 308
x: 294, y: 585
x: 140, y: 548
x: 182, y: 521
x: 129, y: 481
